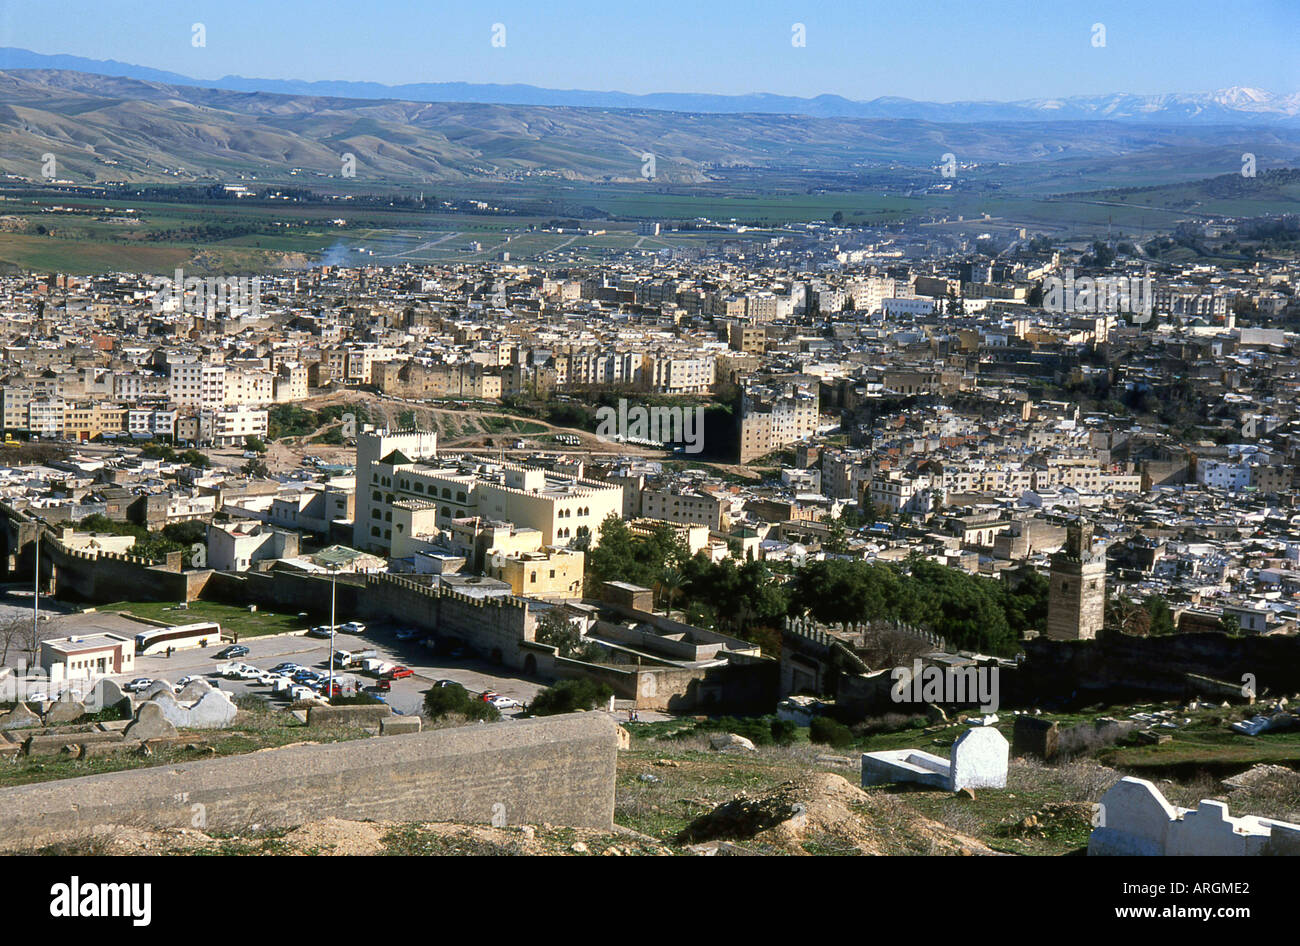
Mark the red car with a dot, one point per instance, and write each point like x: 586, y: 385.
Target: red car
x: 488, y: 696
x: 396, y: 673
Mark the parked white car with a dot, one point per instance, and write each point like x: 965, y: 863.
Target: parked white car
x: 504, y: 703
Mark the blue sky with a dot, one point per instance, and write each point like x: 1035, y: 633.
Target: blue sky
x: 938, y: 50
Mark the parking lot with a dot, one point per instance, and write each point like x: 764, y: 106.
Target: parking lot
x: 406, y: 695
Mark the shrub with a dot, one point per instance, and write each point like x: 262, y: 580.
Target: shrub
x: 783, y: 731
x: 760, y: 730
x: 478, y: 709
x: 359, y: 699
x: 828, y: 732
x: 440, y: 701
x: 569, y: 696
x: 444, y: 701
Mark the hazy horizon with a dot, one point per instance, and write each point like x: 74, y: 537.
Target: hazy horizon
x: 942, y: 52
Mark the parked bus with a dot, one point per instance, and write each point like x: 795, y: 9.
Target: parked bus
x: 179, y: 637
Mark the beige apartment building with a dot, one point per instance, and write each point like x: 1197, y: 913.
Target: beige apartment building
x: 546, y: 573
x: 404, y: 492
x: 769, y: 422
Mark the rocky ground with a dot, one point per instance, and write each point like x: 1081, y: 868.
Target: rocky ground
x: 679, y: 794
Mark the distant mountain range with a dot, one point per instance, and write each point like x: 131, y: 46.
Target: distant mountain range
x: 1228, y: 106
x: 109, y: 128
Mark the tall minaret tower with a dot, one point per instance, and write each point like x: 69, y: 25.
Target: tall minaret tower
x: 1076, y: 604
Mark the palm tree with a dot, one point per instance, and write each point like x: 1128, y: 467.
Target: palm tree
x: 670, y: 583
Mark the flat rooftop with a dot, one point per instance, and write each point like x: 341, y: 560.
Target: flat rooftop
x: 81, y: 645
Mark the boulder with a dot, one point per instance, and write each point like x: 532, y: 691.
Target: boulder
x: 728, y: 741
x: 150, y: 723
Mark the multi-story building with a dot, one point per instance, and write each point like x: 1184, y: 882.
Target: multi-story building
x: 231, y: 426
x: 770, y: 421
x: 251, y: 387
x: 685, y: 507
x: 289, y: 383
x: 405, y: 492
x: 676, y: 374
x: 198, y: 385
x: 14, y: 403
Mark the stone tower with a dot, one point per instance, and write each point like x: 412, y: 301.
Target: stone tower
x: 1076, y: 603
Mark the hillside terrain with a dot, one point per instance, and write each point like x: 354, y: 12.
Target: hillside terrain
x: 107, y: 128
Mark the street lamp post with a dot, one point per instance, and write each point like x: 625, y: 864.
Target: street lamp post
x: 333, y: 628
x: 36, y: 584
x: 36, y: 588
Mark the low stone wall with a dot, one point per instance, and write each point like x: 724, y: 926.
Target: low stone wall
x: 557, y: 770
x: 365, y: 715
x: 1152, y: 667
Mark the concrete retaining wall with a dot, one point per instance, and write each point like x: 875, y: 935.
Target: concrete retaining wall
x: 558, y: 770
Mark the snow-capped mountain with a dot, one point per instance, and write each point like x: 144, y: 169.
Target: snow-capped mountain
x: 1225, y: 106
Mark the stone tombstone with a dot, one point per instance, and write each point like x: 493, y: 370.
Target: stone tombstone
x: 1134, y: 819
x: 153, y: 689
x: 979, y: 759
x: 63, y: 712
x: 1035, y: 737
x: 20, y: 717
x: 165, y: 700
x: 213, y: 710
x: 150, y: 723
x: 104, y: 694
x: 195, y: 690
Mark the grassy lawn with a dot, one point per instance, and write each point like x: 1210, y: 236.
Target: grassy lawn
x: 1211, y: 749
x: 232, y: 619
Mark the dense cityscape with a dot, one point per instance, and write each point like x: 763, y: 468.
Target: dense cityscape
x: 455, y: 469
